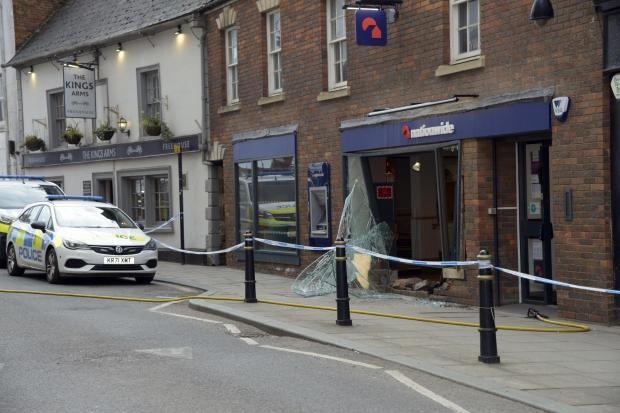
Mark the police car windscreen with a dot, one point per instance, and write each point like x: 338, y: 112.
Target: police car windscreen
x: 18, y: 196
x: 92, y: 217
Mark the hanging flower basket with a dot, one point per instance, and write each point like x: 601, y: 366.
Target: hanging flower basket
x: 153, y: 130
x: 72, y: 136
x: 34, y: 144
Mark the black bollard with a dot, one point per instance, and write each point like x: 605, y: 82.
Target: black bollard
x: 488, y: 339
x: 343, y: 317
x: 250, y: 280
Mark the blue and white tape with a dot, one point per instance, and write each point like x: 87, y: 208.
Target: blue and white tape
x: 292, y: 246
x: 554, y: 282
x: 165, y: 224
x: 224, y: 251
x: 414, y: 262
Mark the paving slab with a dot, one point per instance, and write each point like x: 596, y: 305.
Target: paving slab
x: 554, y: 372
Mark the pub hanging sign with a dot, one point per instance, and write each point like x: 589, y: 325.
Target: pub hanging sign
x: 79, y: 85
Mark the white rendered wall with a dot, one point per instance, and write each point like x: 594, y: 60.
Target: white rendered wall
x: 178, y: 58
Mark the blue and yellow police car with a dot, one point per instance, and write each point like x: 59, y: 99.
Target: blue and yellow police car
x: 79, y: 236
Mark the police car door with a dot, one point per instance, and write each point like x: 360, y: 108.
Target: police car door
x: 17, y: 235
x: 30, y: 251
x: 40, y: 240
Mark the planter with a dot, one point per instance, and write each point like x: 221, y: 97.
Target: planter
x: 153, y: 130
x: 107, y: 135
x: 72, y: 140
x: 35, y: 147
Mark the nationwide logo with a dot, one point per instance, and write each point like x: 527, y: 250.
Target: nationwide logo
x: 371, y: 27
x: 444, y: 128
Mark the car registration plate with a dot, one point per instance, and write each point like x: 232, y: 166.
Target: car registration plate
x: 118, y: 260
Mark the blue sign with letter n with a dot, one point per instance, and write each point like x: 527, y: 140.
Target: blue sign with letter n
x: 371, y: 27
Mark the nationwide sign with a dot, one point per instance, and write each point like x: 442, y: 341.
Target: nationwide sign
x: 444, y: 128
x: 371, y: 27
x: 79, y: 85
x: 113, y: 152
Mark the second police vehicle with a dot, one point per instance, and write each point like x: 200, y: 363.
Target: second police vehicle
x: 17, y: 191
x: 79, y: 236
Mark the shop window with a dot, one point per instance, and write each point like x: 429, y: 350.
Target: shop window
x: 464, y: 29
x: 336, y: 44
x: 147, y: 197
x: 232, y: 73
x: 57, y: 120
x: 267, y: 201
x: 274, y: 55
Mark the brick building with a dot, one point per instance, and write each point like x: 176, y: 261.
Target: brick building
x: 492, y: 168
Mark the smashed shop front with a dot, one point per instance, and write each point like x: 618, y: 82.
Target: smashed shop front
x: 414, y: 171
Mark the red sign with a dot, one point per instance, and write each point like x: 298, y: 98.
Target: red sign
x: 385, y: 192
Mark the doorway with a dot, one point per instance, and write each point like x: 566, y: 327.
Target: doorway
x: 535, y: 228
x: 104, y: 186
x: 417, y: 195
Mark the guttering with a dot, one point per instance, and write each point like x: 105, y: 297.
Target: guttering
x: 415, y: 106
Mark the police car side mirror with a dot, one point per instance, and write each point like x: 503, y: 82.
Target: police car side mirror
x: 39, y: 225
x: 141, y: 226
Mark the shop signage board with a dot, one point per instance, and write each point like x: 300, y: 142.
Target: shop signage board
x: 385, y: 192
x: 80, y: 96
x: 87, y: 188
x: 143, y: 149
x: 495, y: 121
x: 371, y: 27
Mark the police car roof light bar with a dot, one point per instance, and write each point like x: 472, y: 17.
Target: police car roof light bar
x: 22, y: 177
x: 95, y: 198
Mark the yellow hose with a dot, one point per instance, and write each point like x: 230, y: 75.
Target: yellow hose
x: 570, y: 327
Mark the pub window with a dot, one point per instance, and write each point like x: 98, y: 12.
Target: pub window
x: 464, y: 29
x: 57, y: 120
x: 267, y: 201
x: 149, y: 92
x: 2, y: 99
x: 147, y: 198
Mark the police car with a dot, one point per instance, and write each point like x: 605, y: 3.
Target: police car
x: 15, y: 193
x: 79, y: 236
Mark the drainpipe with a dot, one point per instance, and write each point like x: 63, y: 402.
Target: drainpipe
x: 496, y: 227
x: 204, y: 83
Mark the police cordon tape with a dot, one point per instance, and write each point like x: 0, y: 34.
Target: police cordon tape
x: 165, y: 224
x: 419, y: 263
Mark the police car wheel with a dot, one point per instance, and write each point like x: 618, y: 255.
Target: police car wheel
x: 145, y: 279
x: 51, y: 268
x: 11, y: 263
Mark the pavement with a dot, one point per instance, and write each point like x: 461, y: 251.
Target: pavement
x: 576, y: 372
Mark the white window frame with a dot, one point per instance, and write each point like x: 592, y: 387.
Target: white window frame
x: 454, y: 32
x: 274, y: 55
x: 332, y: 43
x: 232, y: 68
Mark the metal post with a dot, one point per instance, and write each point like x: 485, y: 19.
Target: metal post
x: 250, y: 280
x: 488, y: 339
x: 343, y: 317
x: 177, y: 149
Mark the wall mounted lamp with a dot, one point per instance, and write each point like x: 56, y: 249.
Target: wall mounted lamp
x: 178, y: 31
x: 31, y: 70
x: 119, y: 48
x: 122, y: 126
x: 542, y: 10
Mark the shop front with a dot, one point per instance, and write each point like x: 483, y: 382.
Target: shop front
x: 452, y: 179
